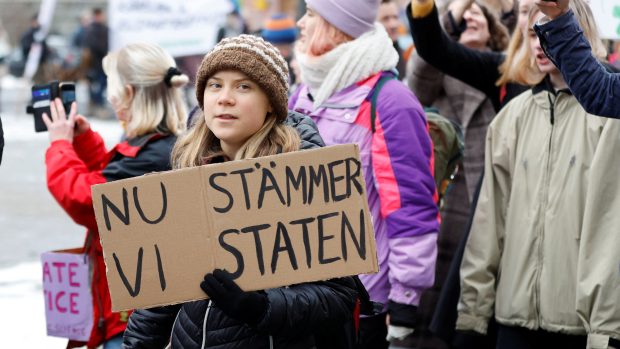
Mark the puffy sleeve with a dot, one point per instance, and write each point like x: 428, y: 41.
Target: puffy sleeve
x: 596, y: 89
x: 69, y: 180
x: 90, y: 148
x: 304, y: 309
x: 402, y: 161
x: 150, y: 328
x: 598, y: 269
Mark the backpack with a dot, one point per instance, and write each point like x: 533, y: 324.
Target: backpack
x: 447, y: 138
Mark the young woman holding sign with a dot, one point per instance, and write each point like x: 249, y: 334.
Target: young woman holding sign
x: 241, y: 89
x: 143, y: 88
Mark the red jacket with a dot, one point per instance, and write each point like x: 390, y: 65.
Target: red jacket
x: 71, y: 170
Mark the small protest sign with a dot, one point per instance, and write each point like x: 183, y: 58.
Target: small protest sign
x: 272, y: 221
x: 66, y: 289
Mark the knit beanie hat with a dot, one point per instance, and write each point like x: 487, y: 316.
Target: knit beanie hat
x: 254, y: 57
x: 279, y: 29
x: 354, y: 17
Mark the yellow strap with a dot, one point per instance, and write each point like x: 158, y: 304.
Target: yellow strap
x: 421, y: 9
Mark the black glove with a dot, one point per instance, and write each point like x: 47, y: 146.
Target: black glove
x: 248, y: 307
x: 402, y: 314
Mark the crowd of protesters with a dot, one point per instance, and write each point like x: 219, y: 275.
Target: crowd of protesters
x: 522, y: 252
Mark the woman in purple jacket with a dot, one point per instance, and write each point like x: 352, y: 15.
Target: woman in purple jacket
x: 342, y: 55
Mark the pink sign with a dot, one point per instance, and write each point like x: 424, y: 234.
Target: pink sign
x: 68, y: 300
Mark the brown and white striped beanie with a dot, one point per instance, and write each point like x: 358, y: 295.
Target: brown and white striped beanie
x: 257, y: 59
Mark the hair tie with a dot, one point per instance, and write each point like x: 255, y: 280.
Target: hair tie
x: 172, y: 71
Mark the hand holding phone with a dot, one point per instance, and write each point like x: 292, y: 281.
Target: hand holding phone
x: 42, y: 97
x: 59, y: 125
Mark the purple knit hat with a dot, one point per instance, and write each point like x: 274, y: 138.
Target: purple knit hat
x: 354, y: 17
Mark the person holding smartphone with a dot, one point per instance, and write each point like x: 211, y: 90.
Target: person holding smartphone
x: 144, y: 90
x: 44, y: 95
x: 595, y: 87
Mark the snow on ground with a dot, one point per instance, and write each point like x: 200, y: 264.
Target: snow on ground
x: 23, y: 315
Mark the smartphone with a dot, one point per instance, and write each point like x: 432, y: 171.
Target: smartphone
x: 41, y: 98
x: 42, y: 95
x: 67, y: 95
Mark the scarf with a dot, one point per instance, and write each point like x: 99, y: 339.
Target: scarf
x: 347, y: 63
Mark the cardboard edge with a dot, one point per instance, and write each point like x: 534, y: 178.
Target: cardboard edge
x: 319, y: 279
x: 343, y: 147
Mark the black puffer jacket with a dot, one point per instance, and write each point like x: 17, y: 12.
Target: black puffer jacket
x: 308, y: 132
x: 312, y: 315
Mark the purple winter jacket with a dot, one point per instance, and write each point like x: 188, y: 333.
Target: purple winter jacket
x: 397, y: 161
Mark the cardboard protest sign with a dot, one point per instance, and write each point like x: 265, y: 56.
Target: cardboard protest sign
x: 271, y: 221
x: 68, y: 300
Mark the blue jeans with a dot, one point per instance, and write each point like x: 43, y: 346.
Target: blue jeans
x: 115, y: 342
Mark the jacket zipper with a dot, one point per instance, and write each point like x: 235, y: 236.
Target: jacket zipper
x: 169, y: 346
x: 544, y: 207
x: 204, y: 326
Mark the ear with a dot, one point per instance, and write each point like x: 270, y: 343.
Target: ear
x: 129, y: 93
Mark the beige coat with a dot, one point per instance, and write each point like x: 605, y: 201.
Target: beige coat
x: 524, y: 260
x: 598, y: 270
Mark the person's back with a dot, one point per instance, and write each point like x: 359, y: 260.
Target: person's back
x: 342, y: 55
x: 96, y: 41
x: 77, y: 159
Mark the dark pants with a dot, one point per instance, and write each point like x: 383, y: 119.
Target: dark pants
x: 373, y: 331
x: 98, y: 86
x: 509, y: 337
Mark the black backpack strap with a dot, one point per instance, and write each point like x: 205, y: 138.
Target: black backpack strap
x: 375, y: 95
